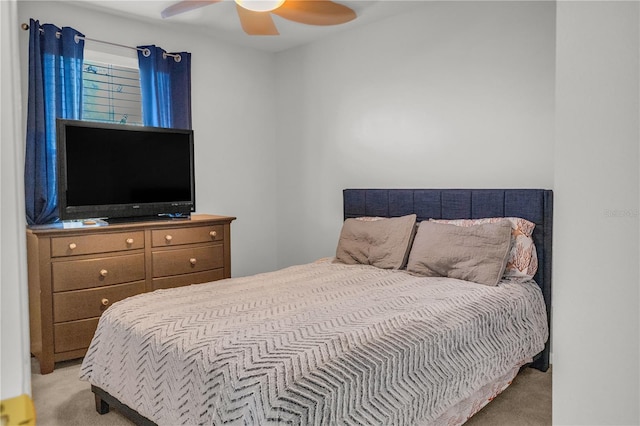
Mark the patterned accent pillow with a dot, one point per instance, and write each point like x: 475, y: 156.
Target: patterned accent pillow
x: 522, y: 263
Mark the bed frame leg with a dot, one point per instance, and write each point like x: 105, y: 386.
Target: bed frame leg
x: 104, y: 401
x: 101, y: 406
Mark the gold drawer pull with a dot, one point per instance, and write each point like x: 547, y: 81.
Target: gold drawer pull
x: 193, y: 261
x: 129, y: 241
x: 104, y: 272
x: 72, y: 246
x: 105, y: 302
x: 168, y: 238
x: 213, y: 234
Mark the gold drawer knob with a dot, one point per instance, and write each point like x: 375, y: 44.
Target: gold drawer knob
x: 129, y: 241
x: 72, y: 246
x: 168, y: 238
x: 105, y: 302
x: 104, y: 272
x: 193, y: 261
x: 213, y: 234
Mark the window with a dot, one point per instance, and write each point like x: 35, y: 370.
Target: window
x: 111, y: 91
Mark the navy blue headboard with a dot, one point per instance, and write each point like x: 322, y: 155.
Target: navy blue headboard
x: 535, y: 205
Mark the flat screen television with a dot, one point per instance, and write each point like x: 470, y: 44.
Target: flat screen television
x: 123, y: 172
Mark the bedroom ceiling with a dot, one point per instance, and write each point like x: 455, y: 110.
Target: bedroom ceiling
x: 220, y: 20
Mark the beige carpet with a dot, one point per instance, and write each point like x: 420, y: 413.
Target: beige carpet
x: 63, y: 400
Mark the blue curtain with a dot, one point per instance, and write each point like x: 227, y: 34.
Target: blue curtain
x: 165, y: 84
x: 55, y: 91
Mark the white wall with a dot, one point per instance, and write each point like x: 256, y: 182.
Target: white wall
x: 233, y: 120
x: 453, y: 94
x: 14, y: 370
x: 596, y: 278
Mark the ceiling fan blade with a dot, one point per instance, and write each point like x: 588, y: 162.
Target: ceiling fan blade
x: 315, y: 12
x: 185, y: 6
x: 256, y: 23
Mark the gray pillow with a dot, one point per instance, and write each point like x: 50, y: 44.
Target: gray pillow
x: 383, y: 243
x: 476, y: 253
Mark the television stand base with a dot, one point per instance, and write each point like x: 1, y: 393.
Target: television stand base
x: 153, y: 218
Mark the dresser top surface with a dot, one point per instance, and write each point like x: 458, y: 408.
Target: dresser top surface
x: 78, y: 226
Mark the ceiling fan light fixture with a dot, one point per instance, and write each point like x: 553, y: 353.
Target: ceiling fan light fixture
x: 260, y: 5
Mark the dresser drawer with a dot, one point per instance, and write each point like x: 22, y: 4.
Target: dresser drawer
x: 188, y: 279
x: 187, y: 260
x: 96, y: 243
x: 178, y: 236
x: 69, y: 336
x: 80, y: 304
x: 102, y: 271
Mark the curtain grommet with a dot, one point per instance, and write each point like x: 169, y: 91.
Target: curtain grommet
x: 177, y: 58
x: 146, y: 52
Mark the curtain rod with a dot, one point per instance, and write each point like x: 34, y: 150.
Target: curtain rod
x: 145, y: 51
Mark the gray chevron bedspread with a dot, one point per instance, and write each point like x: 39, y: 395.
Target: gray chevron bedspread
x: 316, y: 344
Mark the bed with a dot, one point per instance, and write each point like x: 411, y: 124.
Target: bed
x: 331, y: 342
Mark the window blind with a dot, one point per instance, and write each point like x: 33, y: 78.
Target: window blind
x: 111, y: 93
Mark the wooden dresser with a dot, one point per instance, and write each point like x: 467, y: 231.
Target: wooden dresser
x: 77, y: 273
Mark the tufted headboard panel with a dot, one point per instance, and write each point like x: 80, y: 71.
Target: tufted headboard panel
x: 535, y: 205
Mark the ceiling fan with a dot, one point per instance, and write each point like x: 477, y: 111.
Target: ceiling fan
x: 255, y: 15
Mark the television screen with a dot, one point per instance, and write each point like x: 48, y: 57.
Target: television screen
x: 120, y: 171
